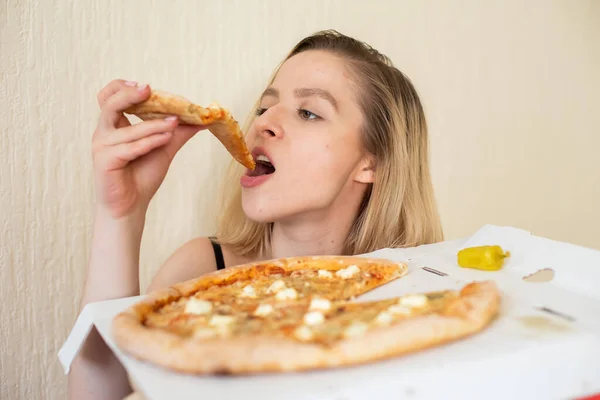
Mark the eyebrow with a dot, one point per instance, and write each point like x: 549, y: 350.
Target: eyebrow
x: 303, y: 93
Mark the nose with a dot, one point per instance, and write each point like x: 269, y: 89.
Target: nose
x: 268, y: 125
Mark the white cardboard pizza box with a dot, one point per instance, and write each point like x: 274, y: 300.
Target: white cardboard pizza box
x: 545, y: 343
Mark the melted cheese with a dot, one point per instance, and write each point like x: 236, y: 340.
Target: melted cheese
x: 415, y: 300
x: 314, y: 318
x: 348, y: 272
x: 198, y: 307
x: 399, y: 310
x: 318, y: 303
x: 204, y: 333
x: 303, y: 333
x: 248, y: 291
x: 384, y: 318
x: 221, y: 321
x: 323, y: 273
x: 356, y: 329
x: 276, y: 286
x: 287, y: 294
x: 263, y: 310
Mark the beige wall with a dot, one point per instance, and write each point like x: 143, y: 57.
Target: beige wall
x: 511, y: 88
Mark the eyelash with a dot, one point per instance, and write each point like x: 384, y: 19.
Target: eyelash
x: 261, y: 110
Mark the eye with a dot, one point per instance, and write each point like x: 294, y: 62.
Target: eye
x: 307, y: 115
x: 260, y: 111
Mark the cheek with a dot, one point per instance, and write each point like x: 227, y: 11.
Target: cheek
x: 327, y: 164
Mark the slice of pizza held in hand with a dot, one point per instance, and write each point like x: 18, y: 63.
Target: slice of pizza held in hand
x: 217, y: 119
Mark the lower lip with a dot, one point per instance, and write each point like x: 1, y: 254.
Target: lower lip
x: 253, y: 181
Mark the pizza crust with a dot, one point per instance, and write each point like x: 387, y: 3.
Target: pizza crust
x: 219, y: 121
x: 470, y: 312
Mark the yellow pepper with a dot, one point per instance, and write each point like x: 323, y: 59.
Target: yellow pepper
x: 487, y: 258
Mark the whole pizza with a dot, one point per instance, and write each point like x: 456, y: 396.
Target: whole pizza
x: 296, y: 314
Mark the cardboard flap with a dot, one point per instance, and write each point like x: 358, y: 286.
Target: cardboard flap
x: 83, y: 325
x: 79, y: 332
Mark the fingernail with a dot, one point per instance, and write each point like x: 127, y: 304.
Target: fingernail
x: 142, y: 87
x: 130, y: 83
x: 170, y: 119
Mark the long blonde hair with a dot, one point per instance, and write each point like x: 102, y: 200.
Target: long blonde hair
x: 399, y: 209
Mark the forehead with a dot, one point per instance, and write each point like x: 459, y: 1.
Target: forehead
x: 318, y: 69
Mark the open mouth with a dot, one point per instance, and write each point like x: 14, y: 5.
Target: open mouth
x: 263, y: 166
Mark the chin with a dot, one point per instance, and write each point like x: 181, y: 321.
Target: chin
x: 257, y: 209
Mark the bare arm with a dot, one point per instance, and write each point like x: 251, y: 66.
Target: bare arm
x: 191, y: 260
x: 112, y: 273
x: 130, y: 163
x: 96, y: 372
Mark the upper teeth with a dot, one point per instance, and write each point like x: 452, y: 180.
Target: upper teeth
x: 263, y: 158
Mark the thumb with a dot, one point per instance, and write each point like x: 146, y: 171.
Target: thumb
x: 181, y: 135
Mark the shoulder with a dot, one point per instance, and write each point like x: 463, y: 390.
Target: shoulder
x: 193, y: 259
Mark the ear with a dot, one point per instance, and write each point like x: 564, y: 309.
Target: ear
x: 365, y: 171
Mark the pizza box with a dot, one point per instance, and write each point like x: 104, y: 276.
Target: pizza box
x: 545, y: 342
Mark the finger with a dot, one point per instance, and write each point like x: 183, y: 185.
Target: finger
x: 141, y: 130
x: 113, y: 108
x: 118, y: 156
x: 111, y: 88
x: 131, y: 151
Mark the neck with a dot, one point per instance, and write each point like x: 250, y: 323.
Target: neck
x: 323, y: 232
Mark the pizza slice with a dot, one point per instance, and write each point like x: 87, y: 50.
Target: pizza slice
x: 259, y: 288
x: 294, y: 279
x: 220, y: 122
x: 268, y: 336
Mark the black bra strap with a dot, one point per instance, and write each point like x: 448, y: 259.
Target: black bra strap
x: 218, y: 253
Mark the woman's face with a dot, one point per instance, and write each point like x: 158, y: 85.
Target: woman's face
x: 308, y: 127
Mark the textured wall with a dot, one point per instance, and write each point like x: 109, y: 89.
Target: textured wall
x: 511, y: 90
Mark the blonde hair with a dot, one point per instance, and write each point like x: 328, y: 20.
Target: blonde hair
x: 399, y: 208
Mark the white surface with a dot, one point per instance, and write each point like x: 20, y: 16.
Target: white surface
x: 555, y: 358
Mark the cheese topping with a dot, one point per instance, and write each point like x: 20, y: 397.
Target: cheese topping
x: 220, y: 321
x: 348, y: 272
x: 318, y: 303
x: 384, y: 318
x: 415, y: 300
x: 204, y: 333
x: 323, y: 273
x: 248, y: 291
x: 355, y: 330
x: 314, y: 318
x: 303, y: 333
x: 399, y: 310
x: 197, y: 306
x: 276, y: 286
x: 263, y: 310
x: 287, y: 294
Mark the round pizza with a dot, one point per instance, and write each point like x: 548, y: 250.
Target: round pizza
x: 295, y: 314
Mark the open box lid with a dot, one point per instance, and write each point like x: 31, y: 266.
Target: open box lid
x: 545, y: 342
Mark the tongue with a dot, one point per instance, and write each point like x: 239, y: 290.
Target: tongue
x: 261, y: 169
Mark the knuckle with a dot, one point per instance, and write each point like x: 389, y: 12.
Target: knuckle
x: 102, y: 94
x: 97, y: 147
x: 138, y: 146
x: 96, y: 135
x: 146, y: 128
x: 97, y: 156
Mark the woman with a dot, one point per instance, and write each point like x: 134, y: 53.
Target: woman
x: 341, y: 141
